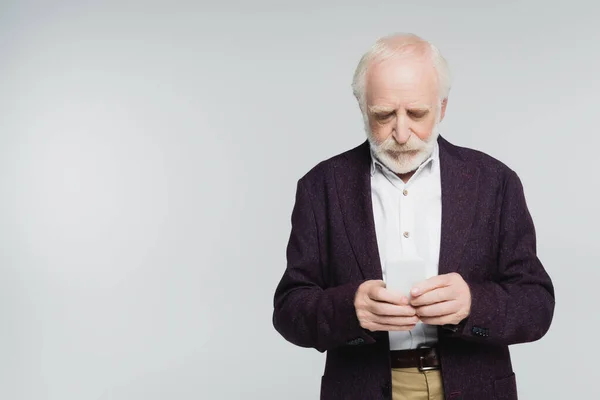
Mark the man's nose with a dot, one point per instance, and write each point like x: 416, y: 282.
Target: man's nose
x: 402, y: 130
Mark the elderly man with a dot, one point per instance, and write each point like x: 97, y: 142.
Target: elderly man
x: 411, y: 261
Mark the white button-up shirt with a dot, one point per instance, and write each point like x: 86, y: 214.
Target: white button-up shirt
x: 408, y: 219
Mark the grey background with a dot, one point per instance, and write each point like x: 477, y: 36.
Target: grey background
x: 148, y: 159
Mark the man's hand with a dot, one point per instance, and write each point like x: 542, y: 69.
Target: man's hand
x: 443, y: 299
x: 379, y: 309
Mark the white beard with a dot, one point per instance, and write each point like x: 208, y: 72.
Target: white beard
x: 405, y: 158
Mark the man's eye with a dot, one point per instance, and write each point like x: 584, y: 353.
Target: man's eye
x: 417, y: 114
x: 386, y: 116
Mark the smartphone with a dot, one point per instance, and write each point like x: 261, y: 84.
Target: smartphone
x: 402, y: 275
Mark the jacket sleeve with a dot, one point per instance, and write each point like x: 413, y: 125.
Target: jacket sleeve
x: 518, y: 305
x: 307, y: 312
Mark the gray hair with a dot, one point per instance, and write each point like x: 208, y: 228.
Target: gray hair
x: 402, y: 44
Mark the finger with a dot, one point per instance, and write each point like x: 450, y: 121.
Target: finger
x: 438, y: 309
x: 392, y: 310
x: 395, y: 321
x: 382, y: 294
x: 432, y: 283
x: 434, y: 296
x: 446, y: 319
x: 392, y: 328
x: 378, y: 283
x: 374, y: 326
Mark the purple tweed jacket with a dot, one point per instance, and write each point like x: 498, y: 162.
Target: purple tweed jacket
x: 488, y: 237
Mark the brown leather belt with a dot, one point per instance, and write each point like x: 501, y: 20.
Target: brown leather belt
x: 424, y: 359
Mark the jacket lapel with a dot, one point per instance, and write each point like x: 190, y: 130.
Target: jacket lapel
x: 459, y: 197
x: 353, y: 183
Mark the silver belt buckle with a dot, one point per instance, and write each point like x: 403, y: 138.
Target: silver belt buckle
x: 422, y: 368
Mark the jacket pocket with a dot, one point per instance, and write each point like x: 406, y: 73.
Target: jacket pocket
x: 506, y: 388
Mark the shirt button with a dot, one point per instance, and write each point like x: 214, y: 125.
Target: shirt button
x: 405, y: 192
x: 406, y: 234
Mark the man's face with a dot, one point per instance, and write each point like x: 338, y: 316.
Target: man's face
x: 403, y: 110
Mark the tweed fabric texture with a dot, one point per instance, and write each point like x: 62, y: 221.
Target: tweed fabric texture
x: 488, y: 237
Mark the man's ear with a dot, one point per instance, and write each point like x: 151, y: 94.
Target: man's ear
x: 443, y: 111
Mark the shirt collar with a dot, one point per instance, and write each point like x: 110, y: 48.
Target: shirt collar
x: 430, y: 162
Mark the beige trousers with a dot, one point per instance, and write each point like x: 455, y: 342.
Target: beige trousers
x: 412, y: 384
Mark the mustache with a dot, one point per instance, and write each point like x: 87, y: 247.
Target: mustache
x: 413, y: 144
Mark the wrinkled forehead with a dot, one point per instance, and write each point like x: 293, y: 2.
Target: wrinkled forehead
x: 402, y: 79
